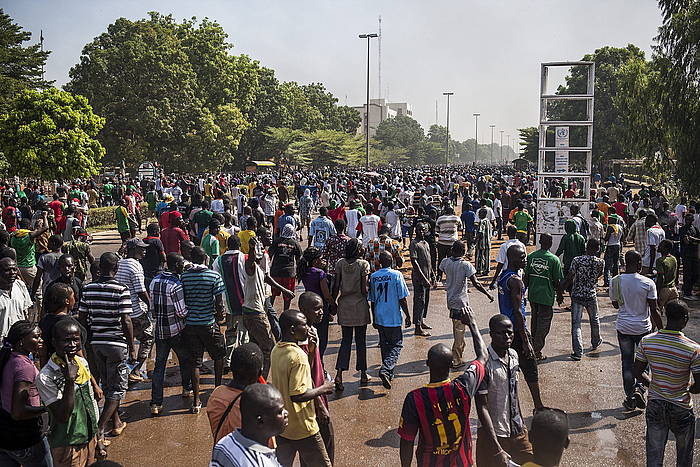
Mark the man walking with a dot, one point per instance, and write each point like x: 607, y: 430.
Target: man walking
x: 542, y: 276
x: 169, y: 313
x: 447, y: 227
x: 290, y: 373
x: 670, y: 407
x: 634, y: 295
x: 387, y: 293
x: 204, y: 291
x: 422, y: 277
x: 511, y: 302
x: 130, y: 273
x: 321, y: 229
x: 583, y: 279
x: 690, y: 256
x: 105, y: 310
x: 457, y: 271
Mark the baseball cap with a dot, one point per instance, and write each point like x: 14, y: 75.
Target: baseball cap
x: 135, y: 243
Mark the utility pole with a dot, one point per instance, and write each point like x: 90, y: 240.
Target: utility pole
x: 501, y: 146
x: 447, y: 136
x: 476, y: 136
x: 492, y: 127
x: 368, y: 37
x: 379, y: 59
x: 508, y: 136
x: 41, y: 42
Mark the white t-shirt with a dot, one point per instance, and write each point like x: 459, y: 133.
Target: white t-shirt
x: 353, y: 217
x: 370, y: 228
x: 393, y: 220
x: 457, y: 271
x: 503, y: 251
x: 632, y: 291
x: 498, y: 207
x: 654, y: 236
x: 680, y: 211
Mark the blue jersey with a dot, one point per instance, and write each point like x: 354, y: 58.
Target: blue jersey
x: 386, y: 288
x: 468, y: 219
x: 321, y: 229
x: 505, y: 303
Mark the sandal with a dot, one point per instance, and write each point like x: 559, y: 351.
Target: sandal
x: 120, y: 430
x: 365, y: 380
x: 196, y: 408
x: 339, y: 386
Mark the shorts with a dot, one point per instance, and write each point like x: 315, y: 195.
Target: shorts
x: 289, y: 283
x: 527, y: 365
x: 112, y: 368
x: 198, y: 338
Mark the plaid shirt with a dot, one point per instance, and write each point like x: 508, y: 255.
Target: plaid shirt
x: 639, y: 232
x: 334, y: 250
x: 168, y: 305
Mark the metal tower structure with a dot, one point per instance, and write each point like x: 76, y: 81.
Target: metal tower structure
x: 556, y: 171
x: 379, y: 58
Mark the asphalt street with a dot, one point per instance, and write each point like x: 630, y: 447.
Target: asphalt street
x: 366, y: 418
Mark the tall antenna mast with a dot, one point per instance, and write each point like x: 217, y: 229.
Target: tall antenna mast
x: 41, y: 42
x: 379, y: 66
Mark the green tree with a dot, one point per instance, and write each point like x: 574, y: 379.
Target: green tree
x: 529, y: 143
x: 401, y: 132
x: 168, y: 92
x: 328, y: 148
x: 277, y: 143
x: 677, y: 91
x: 51, y: 135
x: 610, y: 125
x: 20, y: 67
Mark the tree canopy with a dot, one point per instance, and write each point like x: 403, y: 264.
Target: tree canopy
x: 20, y: 66
x: 51, y: 135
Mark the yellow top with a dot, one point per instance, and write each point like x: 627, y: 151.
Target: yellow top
x: 291, y: 375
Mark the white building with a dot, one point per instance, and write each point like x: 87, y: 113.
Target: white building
x: 380, y: 110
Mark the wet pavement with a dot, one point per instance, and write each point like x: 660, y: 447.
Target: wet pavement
x: 366, y: 418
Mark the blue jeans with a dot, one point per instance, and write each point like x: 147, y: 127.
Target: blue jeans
x: 163, y: 347
x: 390, y: 344
x: 577, y: 306
x: 662, y: 417
x: 612, y: 263
x: 628, y: 342
x: 38, y: 455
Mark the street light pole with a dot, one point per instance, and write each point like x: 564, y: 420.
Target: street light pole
x: 501, y: 146
x: 447, y: 136
x: 476, y: 136
x: 368, y: 37
x: 492, y: 127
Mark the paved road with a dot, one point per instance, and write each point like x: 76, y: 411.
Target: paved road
x: 366, y: 418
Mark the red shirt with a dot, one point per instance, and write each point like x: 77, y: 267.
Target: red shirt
x: 166, y: 219
x: 620, y: 208
x: 337, y: 213
x: 172, y: 237
x: 9, y: 218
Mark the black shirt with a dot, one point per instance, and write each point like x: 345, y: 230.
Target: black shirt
x: 151, y: 262
x: 284, y: 252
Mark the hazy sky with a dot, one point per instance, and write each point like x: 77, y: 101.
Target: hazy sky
x: 488, y: 52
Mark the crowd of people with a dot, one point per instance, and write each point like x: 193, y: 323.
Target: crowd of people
x: 203, y: 259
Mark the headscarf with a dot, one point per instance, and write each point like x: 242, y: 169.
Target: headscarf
x: 288, y: 231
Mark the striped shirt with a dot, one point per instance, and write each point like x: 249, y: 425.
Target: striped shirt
x: 235, y: 450
x: 447, y: 227
x: 376, y: 246
x: 438, y: 413
x: 130, y: 273
x: 201, y: 285
x: 671, y: 357
x: 103, y: 303
x: 168, y: 305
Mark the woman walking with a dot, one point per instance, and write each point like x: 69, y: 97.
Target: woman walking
x: 21, y: 439
x: 284, y: 253
x: 483, y: 244
x: 350, y: 287
x: 310, y: 272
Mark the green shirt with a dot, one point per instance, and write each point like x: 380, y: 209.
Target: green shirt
x: 107, y: 189
x: 202, y: 218
x: 521, y: 219
x: 542, y: 270
x: 210, y: 244
x: 122, y: 219
x: 24, y: 246
x: 666, y: 267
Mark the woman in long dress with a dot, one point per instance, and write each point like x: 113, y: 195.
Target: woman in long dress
x: 350, y: 288
x: 483, y: 244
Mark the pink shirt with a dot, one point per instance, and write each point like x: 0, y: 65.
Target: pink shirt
x: 18, y: 368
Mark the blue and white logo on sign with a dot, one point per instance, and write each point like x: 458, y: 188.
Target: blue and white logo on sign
x: 562, y: 132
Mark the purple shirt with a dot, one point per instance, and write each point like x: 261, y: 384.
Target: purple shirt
x: 18, y: 368
x: 312, y: 281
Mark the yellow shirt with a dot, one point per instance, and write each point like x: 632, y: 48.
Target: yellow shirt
x: 222, y: 237
x: 245, y: 236
x: 291, y: 375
